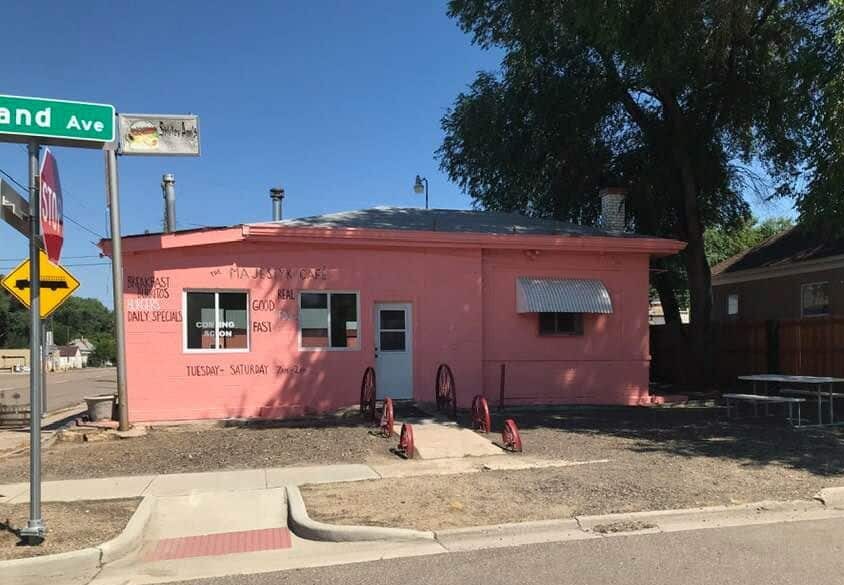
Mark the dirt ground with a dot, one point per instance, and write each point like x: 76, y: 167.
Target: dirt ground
x: 70, y: 526
x: 185, y: 449
x: 660, y: 459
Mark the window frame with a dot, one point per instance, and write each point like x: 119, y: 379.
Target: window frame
x: 738, y: 304
x: 579, y: 329
x: 803, y: 314
x: 329, y: 293
x: 215, y: 292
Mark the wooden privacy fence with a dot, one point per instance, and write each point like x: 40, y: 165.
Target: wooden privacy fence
x: 807, y: 347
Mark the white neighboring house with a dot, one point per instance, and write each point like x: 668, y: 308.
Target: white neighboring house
x: 86, y: 348
x: 66, y: 357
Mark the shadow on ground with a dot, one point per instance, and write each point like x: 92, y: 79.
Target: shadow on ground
x: 688, y: 432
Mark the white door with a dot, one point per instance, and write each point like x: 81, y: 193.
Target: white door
x: 393, y: 350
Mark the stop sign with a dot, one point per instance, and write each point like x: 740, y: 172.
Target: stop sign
x: 52, y: 219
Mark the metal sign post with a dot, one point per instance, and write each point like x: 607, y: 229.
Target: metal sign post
x: 117, y: 283
x: 33, y: 532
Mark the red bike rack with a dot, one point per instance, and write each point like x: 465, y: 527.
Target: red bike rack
x: 388, y: 419
x: 367, y: 394
x: 480, y: 414
x: 446, y: 391
x: 406, y: 441
x: 510, y: 436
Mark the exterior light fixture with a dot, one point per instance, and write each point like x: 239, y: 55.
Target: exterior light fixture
x: 419, y: 188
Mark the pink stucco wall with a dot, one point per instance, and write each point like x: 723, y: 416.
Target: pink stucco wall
x: 464, y: 314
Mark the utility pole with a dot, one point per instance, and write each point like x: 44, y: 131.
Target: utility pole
x: 33, y: 532
x: 117, y: 284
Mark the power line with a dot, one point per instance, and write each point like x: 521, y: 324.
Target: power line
x: 64, y: 257
x: 66, y: 216
x: 71, y: 264
x: 14, y: 180
x: 87, y: 229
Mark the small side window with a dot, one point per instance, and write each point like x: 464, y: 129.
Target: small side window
x: 814, y: 299
x: 732, y: 304
x: 560, y: 323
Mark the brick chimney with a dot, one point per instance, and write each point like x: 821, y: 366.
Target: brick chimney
x: 612, y: 208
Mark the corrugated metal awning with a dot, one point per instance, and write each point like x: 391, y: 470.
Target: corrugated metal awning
x: 561, y: 295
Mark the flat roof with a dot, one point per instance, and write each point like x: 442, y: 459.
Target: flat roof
x: 445, y: 220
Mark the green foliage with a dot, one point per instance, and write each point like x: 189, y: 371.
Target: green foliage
x: 679, y: 101
x: 724, y: 243
x: 77, y: 317
x: 821, y: 203
x: 105, y: 351
x: 81, y: 317
x: 14, y: 322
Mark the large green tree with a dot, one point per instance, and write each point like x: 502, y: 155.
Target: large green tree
x: 81, y: 317
x: 721, y: 243
x: 77, y: 317
x: 688, y: 103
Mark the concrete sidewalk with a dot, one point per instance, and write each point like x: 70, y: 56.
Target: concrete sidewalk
x: 14, y: 440
x: 108, y: 488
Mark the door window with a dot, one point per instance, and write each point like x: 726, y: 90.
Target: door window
x: 393, y: 330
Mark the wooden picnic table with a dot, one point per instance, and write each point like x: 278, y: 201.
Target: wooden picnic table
x: 818, y: 382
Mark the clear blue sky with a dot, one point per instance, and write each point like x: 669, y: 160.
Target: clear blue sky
x: 338, y: 102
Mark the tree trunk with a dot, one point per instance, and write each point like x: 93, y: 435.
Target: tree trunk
x: 699, y: 276
x: 673, y: 349
x: 682, y: 137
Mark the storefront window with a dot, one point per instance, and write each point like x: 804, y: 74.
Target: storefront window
x: 329, y: 320
x: 217, y: 320
x: 815, y: 299
x: 560, y: 323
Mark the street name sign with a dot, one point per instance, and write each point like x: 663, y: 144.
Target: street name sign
x: 55, y: 122
x: 57, y: 284
x: 158, y: 134
x: 52, y: 216
x: 14, y: 209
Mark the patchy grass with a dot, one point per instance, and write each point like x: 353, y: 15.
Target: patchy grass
x: 70, y: 526
x: 193, y: 449
x: 659, y: 459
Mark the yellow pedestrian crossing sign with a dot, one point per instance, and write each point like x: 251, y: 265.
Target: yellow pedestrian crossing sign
x: 57, y: 284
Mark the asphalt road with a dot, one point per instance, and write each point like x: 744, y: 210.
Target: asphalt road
x: 63, y: 388
x: 790, y: 553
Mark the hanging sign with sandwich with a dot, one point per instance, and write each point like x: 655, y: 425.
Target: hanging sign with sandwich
x: 157, y: 135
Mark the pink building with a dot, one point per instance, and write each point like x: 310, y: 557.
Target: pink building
x: 281, y: 318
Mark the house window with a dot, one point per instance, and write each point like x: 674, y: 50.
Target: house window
x: 560, y: 323
x: 732, y: 304
x: 814, y: 299
x: 216, y: 321
x: 328, y: 320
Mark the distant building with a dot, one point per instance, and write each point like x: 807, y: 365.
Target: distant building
x: 66, y: 357
x: 86, y: 348
x: 656, y: 316
x: 796, y: 274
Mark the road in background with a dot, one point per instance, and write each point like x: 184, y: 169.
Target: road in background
x: 772, y: 554
x: 63, y: 388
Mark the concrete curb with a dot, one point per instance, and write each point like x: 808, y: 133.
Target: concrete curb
x: 132, y: 537
x: 304, y: 527
x: 515, y: 534
x: 831, y: 497
x: 80, y: 566
x: 638, y: 523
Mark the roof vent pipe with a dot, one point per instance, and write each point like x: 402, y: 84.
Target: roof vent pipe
x: 168, y: 187
x: 276, y: 194
x: 613, y: 218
